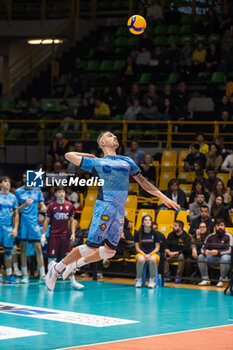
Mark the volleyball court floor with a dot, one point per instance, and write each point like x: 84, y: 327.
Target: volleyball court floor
x: 114, y: 316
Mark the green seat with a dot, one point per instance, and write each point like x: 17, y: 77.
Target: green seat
x: 63, y: 79
x: 173, y: 78
x: 160, y: 30
x: 199, y: 18
x: 50, y: 105
x: 185, y: 29
x: 203, y: 76
x: 186, y: 19
x: 200, y: 37
x: 118, y: 65
x: 106, y: 65
x: 7, y: 104
x: 73, y: 102
x: 118, y: 117
x: 93, y: 65
x: 213, y: 38
x: 217, y: 78
x: 173, y: 29
x: 174, y: 38
x: 186, y: 38
x: 160, y: 40
x: 14, y: 134
x: 121, y: 41
x: 48, y: 117
x: 133, y: 41
x: 144, y: 79
x: 122, y: 31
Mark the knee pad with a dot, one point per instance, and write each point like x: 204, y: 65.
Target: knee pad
x: 106, y: 253
x: 85, y: 251
x: 7, y: 253
x: 14, y: 250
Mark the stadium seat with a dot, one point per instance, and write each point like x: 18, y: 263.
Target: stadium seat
x: 186, y: 19
x: 90, y: 199
x: 131, y: 202
x: 50, y: 105
x: 7, y: 104
x: 169, y: 155
x: 166, y: 217
x: 155, y: 163
x: 118, y: 65
x: 164, y: 179
x: 130, y: 215
x: 121, y: 41
x: 183, y: 216
x: 134, y: 187
x: 186, y: 38
x: 173, y: 78
x: 187, y: 176
x: 14, y: 134
x: 160, y: 30
x: 187, y: 188
x: 213, y: 38
x: 173, y: 39
x: 185, y: 29
x: 200, y: 37
x: 133, y: 41
x: 141, y: 214
x: 224, y: 177
x: 229, y: 229
x: 144, y: 79
x: 122, y: 31
x: 217, y: 78
x: 173, y: 29
x: 106, y: 65
x: 165, y: 229
x: 63, y: 80
x: 168, y: 166
x: 160, y: 40
x: 93, y: 65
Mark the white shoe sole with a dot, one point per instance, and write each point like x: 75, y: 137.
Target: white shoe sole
x: 50, y: 282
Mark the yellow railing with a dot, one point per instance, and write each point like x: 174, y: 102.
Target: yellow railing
x: 147, y: 132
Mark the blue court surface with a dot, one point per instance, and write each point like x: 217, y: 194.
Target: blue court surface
x: 31, y: 317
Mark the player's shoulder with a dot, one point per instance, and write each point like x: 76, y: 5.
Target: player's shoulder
x: 126, y: 158
x: 68, y: 203
x: 12, y: 195
x: 20, y: 189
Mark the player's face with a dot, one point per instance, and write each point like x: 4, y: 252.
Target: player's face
x: 6, y: 185
x: 60, y: 194
x: 110, y: 140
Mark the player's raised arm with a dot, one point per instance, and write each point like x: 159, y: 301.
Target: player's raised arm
x: 148, y: 187
x: 76, y: 157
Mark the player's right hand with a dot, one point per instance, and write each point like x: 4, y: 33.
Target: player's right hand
x: 28, y: 202
x: 43, y: 240
x: 169, y: 203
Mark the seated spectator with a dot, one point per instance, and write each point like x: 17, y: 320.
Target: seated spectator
x: 57, y: 151
x: 152, y: 94
x: 176, y: 194
x: 129, y: 71
x: 194, y: 210
x: 188, y: 70
x: 67, y: 113
x: 135, y: 93
x: 147, y: 248
x: 101, y: 110
x: 167, y: 110
x: 214, y: 159
x: 72, y: 196
x: 226, y: 58
x: 227, y: 165
x: 193, y: 156
x: 204, y: 147
x: 224, y: 105
x: 156, y: 62
x: 85, y: 111
x: 197, y: 166
x: 219, y: 188
x: 199, y: 175
x: 199, y: 57
x: 90, y: 95
x: 88, y: 144
x: 219, y: 141
x: 211, y: 179
x: 220, y: 210
x: 19, y: 111
x: 147, y: 168
x: 33, y: 111
x: 150, y: 111
x: 119, y: 101
x: 180, y: 99
x: 177, y: 248
x: 49, y: 196
x: 187, y: 51
x: 213, y: 252
x: 107, y: 95
x: 198, y: 238
x: 104, y: 48
x: 126, y: 245
x: 133, y: 111
x: 143, y: 59
x: 155, y: 13
x: 145, y: 41
x: 136, y: 154
x: 204, y: 217
x: 198, y: 188
x: 172, y: 58
x: 212, y: 58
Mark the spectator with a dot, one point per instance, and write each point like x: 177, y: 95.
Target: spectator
x: 193, y: 156
x: 107, y: 96
x: 135, y: 93
x: 33, y: 111
x: 167, y: 110
x: 145, y: 41
x: 220, y: 210
x: 199, y: 57
x: 85, y: 111
x: 49, y: 195
x: 141, y: 9
x: 214, y: 159
x: 204, y: 217
x: 147, y: 168
x: 67, y: 113
x: 225, y: 18
x: 58, y: 174
x: 150, y: 111
x: 224, y: 105
x: 212, y: 58
x: 219, y: 141
x: 78, y: 147
x: 226, y: 63
x: 211, y: 179
x: 136, y: 154
x: 200, y: 138
x: 156, y: 62
x: 101, y: 110
x: 104, y: 48
x: 227, y: 165
x: 172, y: 58
x: 72, y: 196
x: 155, y: 13
x: 219, y: 188
x: 176, y: 194
x: 211, y: 23
x: 90, y: 95
x: 213, y: 252
x: 19, y: 111
x: 147, y: 248
x: 133, y: 111
x: 194, y: 211
x: 198, y: 188
x: 187, y: 51
x: 152, y: 94
x: 129, y: 71
x: 126, y: 245
x: 119, y: 101
x: 57, y: 151
x: 188, y: 70
x: 180, y: 100
x: 177, y: 248
x: 88, y: 144
x: 143, y: 59
x: 198, y: 238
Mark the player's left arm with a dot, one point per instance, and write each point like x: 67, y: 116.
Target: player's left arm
x: 72, y: 229
x: 16, y: 222
x: 148, y: 187
x: 76, y: 157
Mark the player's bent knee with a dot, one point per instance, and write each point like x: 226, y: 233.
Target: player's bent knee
x: 7, y: 254
x: 106, y: 253
x: 85, y: 251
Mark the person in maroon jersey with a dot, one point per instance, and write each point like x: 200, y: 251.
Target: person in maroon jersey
x: 59, y: 214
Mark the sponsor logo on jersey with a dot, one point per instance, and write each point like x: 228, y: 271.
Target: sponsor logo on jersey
x: 105, y: 217
x: 61, y: 216
x: 103, y: 227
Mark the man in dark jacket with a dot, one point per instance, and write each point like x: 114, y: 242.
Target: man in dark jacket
x: 177, y: 247
x: 194, y: 156
x: 203, y: 217
x: 216, y: 250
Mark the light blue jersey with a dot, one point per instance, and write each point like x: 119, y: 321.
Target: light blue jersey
x: 115, y: 171
x: 7, y: 203
x: 30, y: 213
x: 109, y: 211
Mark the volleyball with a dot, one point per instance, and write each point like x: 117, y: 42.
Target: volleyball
x: 136, y: 24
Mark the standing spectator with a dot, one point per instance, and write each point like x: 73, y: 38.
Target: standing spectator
x: 177, y: 248
x: 204, y: 217
x: 101, y: 110
x: 220, y: 210
x: 200, y: 138
x: 226, y: 63
x: 133, y: 111
x: 194, y: 156
x: 194, y: 211
x: 57, y: 151
x: 199, y: 57
x: 147, y: 248
x: 136, y: 154
x: 219, y: 188
x: 147, y: 168
x: 214, y: 159
x: 215, y: 254
x: 212, y: 58
x: 176, y: 194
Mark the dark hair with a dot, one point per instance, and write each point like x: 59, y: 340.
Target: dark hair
x: 217, y: 148
x: 172, y: 182
x: 3, y: 178
x: 196, y: 146
x: 195, y: 184
x: 218, y: 221
x: 215, y: 209
x: 59, y: 188
x: 205, y: 206
x: 215, y: 188
x: 141, y: 229
x: 180, y: 223
x: 210, y: 169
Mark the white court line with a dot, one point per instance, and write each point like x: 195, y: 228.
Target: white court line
x: 147, y: 336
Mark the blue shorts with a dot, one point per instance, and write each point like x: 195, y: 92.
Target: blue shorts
x: 29, y: 231
x: 106, y: 225
x: 5, y: 240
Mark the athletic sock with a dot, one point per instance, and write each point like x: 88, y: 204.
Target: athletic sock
x: 24, y: 270
x: 60, y: 266
x: 16, y: 266
x: 42, y: 271
x: 81, y: 262
x: 9, y: 271
x: 72, y: 279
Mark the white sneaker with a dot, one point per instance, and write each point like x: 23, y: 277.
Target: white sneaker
x: 24, y: 279
x: 138, y: 283
x: 17, y: 273
x: 219, y: 284
x: 42, y: 280
x: 51, y: 276
x: 67, y: 271
x: 151, y: 283
x: 204, y: 283
x: 75, y: 285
